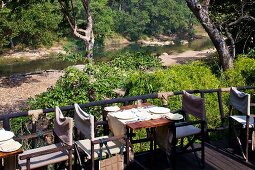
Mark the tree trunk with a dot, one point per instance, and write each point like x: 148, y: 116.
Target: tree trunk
x: 202, y: 14
x: 85, y: 34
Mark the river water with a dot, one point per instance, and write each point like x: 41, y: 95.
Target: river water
x: 13, y: 66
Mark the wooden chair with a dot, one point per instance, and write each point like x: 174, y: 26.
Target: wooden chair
x: 54, y: 153
x: 195, y: 106
x: 241, y: 102
x: 85, y: 123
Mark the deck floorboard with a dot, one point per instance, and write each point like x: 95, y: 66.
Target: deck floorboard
x: 215, y: 158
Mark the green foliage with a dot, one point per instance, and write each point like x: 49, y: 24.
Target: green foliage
x: 72, y: 87
x: 100, y: 80
x: 243, y: 72
x: 137, y: 18
x: 74, y: 51
x: 189, y: 76
x: 225, y: 13
x: 176, y: 78
x: 5, y: 28
x: 136, y: 61
x: 32, y: 24
x: 252, y: 53
x: 103, y: 19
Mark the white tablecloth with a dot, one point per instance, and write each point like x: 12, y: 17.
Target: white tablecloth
x: 118, y: 126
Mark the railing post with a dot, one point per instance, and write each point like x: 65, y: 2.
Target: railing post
x: 6, y: 124
x: 105, y: 126
x: 222, y: 115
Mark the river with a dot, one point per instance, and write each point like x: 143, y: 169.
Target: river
x: 13, y: 66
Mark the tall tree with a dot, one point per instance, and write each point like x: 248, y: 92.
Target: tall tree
x: 219, y: 33
x: 82, y: 28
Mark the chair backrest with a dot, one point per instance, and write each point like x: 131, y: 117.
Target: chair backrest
x: 63, y: 127
x: 240, y: 101
x: 193, y: 105
x: 84, y: 122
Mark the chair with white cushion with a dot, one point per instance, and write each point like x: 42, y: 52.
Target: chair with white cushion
x: 191, y: 130
x: 243, y: 121
x: 54, y: 153
x: 85, y: 123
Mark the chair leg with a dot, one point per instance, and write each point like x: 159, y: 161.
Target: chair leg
x: 229, y: 131
x: 203, y: 151
x: 70, y: 159
x: 192, y: 147
x: 239, y: 143
x: 247, y: 138
x: 173, y: 150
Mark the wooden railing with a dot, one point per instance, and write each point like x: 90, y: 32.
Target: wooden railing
x: 5, y: 118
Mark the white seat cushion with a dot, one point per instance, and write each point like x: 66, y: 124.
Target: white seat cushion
x: 185, y: 131
x: 44, y: 160
x: 242, y: 119
x: 85, y: 145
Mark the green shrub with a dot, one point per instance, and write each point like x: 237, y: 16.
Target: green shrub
x: 243, y: 73
x: 191, y: 76
x: 136, y: 61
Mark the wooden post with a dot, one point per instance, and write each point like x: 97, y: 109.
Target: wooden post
x: 222, y: 116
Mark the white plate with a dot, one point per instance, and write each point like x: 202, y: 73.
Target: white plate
x: 125, y: 115
x: 5, y: 135
x: 112, y: 108
x: 175, y: 116
x: 159, y: 110
x: 10, y: 146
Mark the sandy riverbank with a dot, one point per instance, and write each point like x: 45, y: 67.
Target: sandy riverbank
x: 184, y: 57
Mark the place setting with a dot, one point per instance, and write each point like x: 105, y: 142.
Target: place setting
x: 7, y: 144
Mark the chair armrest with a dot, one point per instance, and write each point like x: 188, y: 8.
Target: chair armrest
x: 45, y: 152
x: 108, y: 139
x: 189, y: 123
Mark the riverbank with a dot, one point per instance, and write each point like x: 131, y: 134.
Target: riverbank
x: 15, y: 91
x: 184, y: 57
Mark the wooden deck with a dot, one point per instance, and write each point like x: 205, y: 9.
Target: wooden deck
x: 215, y: 158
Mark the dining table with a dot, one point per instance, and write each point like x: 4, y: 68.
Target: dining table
x: 130, y: 118
x: 10, y: 159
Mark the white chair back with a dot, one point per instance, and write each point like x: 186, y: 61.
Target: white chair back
x: 84, y: 122
x: 240, y: 101
x: 193, y: 105
x: 63, y: 127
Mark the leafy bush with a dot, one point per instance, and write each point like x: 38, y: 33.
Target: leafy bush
x: 136, y: 61
x: 243, y: 72
x: 99, y: 79
x: 191, y: 76
x: 31, y: 24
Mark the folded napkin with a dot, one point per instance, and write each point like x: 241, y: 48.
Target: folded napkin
x: 9, y: 146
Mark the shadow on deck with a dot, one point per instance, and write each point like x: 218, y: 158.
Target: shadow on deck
x: 215, y: 158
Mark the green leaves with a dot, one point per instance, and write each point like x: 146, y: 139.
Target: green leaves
x: 32, y: 24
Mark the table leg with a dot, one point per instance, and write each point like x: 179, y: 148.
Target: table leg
x: 10, y: 162
x: 1, y: 164
x: 127, y: 146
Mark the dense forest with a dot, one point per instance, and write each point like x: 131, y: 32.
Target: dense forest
x: 35, y: 23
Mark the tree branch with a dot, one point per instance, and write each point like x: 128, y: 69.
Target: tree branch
x: 240, y: 19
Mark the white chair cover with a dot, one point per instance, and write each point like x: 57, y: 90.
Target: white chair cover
x: 240, y: 101
x: 63, y: 127
x: 84, y: 122
x: 193, y: 105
